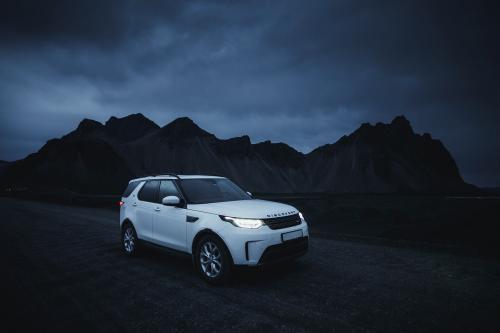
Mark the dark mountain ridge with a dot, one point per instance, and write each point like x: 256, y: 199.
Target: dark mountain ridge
x: 101, y: 158
x: 386, y: 158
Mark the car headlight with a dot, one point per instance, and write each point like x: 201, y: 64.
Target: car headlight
x: 302, y: 217
x: 243, y: 223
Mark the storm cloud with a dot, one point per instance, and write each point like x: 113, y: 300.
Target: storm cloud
x: 304, y: 73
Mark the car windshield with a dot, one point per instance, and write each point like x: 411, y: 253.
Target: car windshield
x: 207, y: 190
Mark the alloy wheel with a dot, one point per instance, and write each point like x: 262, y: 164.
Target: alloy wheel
x: 210, y: 259
x: 129, y: 240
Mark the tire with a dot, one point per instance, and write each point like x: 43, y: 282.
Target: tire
x: 129, y: 240
x: 213, y: 260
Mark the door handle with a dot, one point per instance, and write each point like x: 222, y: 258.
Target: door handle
x: 134, y: 204
x: 157, y: 209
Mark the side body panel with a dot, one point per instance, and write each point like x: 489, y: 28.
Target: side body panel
x: 169, y: 227
x: 139, y: 213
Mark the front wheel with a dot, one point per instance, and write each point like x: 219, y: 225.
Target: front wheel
x: 213, y: 260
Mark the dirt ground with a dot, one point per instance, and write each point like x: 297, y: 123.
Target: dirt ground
x: 62, y: 269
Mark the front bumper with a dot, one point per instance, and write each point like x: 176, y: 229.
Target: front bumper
x: 287, y: 250
x: 261, y: 246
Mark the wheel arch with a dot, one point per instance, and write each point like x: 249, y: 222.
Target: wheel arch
x: 204, y: 232
x: 125, y: 222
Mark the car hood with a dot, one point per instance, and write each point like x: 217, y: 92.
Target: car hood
x: 256, y: 209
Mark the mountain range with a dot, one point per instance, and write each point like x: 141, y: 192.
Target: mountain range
x: 100, y: 158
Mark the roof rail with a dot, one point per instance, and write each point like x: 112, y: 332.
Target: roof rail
x: 168, y: 174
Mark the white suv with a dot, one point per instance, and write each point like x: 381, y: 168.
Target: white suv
x: 211, y: 219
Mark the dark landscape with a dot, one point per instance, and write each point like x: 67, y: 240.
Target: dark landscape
x: 64, y: 270
x: 422, y: 231
x: 377, y: 120
x: 399, y: 240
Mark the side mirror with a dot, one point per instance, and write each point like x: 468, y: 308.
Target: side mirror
x: 249, y: 193
x: 171, y: 200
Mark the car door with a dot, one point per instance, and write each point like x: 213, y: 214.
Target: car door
x: 147, y: 201
x: 169, y: 222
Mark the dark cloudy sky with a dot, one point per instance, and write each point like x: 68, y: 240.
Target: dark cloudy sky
x: 302, y: 72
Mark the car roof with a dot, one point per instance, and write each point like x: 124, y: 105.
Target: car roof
x: 174, y: 177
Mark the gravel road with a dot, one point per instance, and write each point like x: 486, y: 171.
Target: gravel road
x: 62, y: 269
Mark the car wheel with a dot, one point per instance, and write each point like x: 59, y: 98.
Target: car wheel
x: 213, y: 260
x: 129, y: 240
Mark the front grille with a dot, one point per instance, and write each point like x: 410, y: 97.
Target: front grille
x: 282, y: 221
x: 287, y: 250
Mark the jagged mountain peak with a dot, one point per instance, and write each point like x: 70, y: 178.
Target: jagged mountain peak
x: 268, y: 144
x: 398, y: 130
x: 130, y: 127
x: 137, y: 118
x: 88, y: 125
x: 280, y: 153
x: 182, y: 122
x: 182, y: 128
x: 242, y: 140
x: 401, y: 124
x: 400, y: 120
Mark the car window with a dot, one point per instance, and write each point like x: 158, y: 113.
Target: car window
x: 130, y: 188
x: 207, y: 190
x: 149, y: 192
x: 167, y: 187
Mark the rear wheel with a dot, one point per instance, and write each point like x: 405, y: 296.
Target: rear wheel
x: 129, y: 240
x: 213, y: 260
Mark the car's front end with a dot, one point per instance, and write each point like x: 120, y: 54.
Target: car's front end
x: 276, y: 239
x: 255, y: 232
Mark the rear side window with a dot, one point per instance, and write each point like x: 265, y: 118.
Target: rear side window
x: 130, y: 188
x: 167, y: 187
x: 149, y: 192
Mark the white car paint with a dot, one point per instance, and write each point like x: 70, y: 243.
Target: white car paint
x: 256, y: 209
